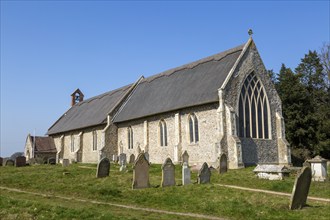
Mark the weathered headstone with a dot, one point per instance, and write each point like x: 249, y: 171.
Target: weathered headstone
x: 185, y: 157
x: 301, y: 189
x: 115, y: 158
x: 204, y: 174
x: 185, y: 174
x: 146, y: 154
x: 122, y: 162
x: 168, y: 173
x: 1, y: 161
x: 132, y: 158
x: 20, y: 161
x: 140, y: 172
x: 9, y: 162
x: 103, y: 168
x: 223, y: 164
x: 271, y: 171
x: 65, y: 162
x: 51, y: 161
x: 318, y: 166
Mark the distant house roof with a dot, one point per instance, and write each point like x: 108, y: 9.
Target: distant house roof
x: 43, y: 144
x: 190, y: 85
x: 88, y: 113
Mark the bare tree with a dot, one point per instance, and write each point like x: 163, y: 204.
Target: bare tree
x: 325, y: 60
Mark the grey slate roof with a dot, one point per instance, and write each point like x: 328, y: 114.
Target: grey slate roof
x: 90, y: 112
x: 193, y: 84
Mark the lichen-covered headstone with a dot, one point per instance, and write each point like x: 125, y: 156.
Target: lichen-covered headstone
x: 185, y: 157
x: 132, y: 158
x: 122, y: 162
x: 168, y: 173
x: 9, y: 162
x: 204, y: 174
x: 301, y: 189
x: 185, y: 174
x: 223, y: 164
x: 65, y: 162
x: 20, y: 161
x: 103, y: 168
x: 140, y: 173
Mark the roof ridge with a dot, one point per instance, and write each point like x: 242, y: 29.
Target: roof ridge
x: 191, y: 65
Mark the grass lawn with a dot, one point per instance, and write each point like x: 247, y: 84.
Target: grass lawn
x: 208, y: 199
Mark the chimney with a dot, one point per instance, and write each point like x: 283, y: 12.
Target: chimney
x: 76, y: 96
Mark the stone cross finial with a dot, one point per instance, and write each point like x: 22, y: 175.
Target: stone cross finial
x: 250, y: 32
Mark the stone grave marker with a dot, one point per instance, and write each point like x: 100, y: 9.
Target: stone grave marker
x: 1, y: 161
x: 20, y: 161
x: 140, y: 173
x: 168, y: 173
x: 103, y: 168
x: 204, y: 174
x: 122, y: 162
x: 9, y: 162
x: 185, y: 157
x: 223, y: 164
x: 132, y: 158
x: 318, y: 166
x: 185, y: 174
x: 301, y: 188
x: 271, y: 171
x: 65, y: 162
x: 51, y: 161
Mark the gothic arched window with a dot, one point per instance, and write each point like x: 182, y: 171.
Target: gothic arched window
x: 130, y: 137
x: 253, y: 108
x: 193, y: 129
x: 163, y: 133
x: 94, y: 140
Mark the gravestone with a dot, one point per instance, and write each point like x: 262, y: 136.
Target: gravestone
x: 204, y: 174
x: 1, y: 161
x: 271, y: 171
x: 132, y: 158
x: 318, y: 166
x: 168, y: 173
x: 103, y: 168
x: 223, y: 164
x: 115, y: 158
x: 51, y: 161
x: 185, y: 174
x: 20, y: 161
x: 185, y: 157
x: 9, y: 162
x: 65, y: 162
x: 140, y: 173
x: 301, y: 188
x: 146, y: 154
x: 122, y: 162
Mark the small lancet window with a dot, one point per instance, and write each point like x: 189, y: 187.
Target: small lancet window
x: 193, y: 129
x: 94, y: 140
x: 163, y: 133
x: 130, y: 137
x: 253, y: 109
x: 72, y: 142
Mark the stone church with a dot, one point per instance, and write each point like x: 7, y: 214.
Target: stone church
x: 223, y: 104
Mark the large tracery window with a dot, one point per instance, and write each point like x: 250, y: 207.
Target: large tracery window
x: 253, y: 109
x: 163, y: 133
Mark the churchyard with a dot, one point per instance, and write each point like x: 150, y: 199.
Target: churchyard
x: 75, y: 192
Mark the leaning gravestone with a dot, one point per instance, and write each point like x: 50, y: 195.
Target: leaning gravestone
x: 9, y: 162
x: 103, y: 168
x: 223, y: 164
x: 132, y: 158
x: 122, y: 162
x: 20, y: 161
x: 204, y: 174
x: 168, y: 173
x: 65, y: 162
x: 1, y: 161
x: 185, y: 174
x: 301, y: 189
x: 185, y: 157
x: 141, y: 173
x: 51, y: 161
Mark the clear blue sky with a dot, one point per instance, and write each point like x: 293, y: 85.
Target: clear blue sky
x: 48, y: 49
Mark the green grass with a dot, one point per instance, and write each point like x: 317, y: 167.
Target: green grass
x: 209, y: 199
